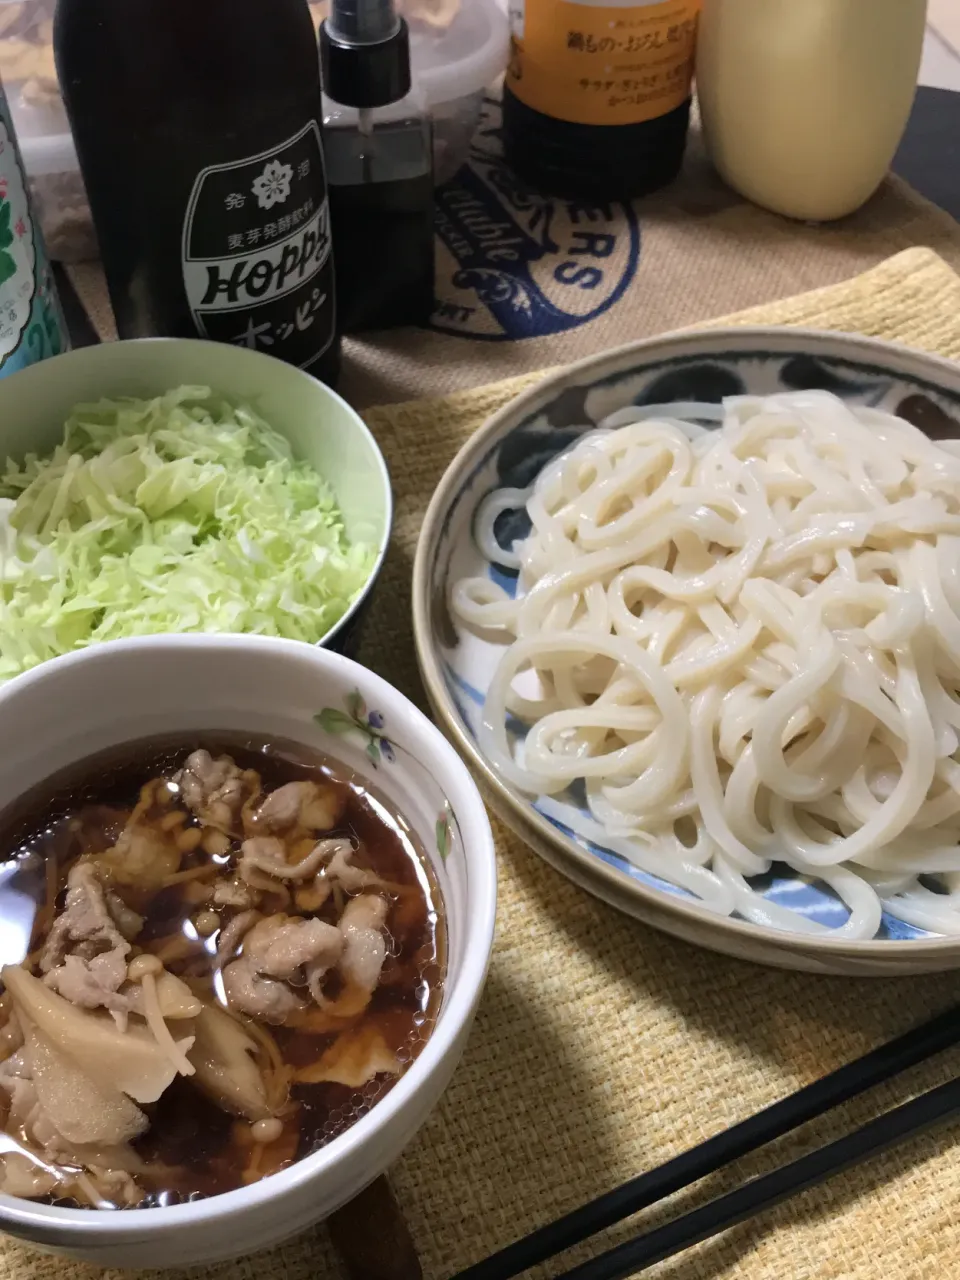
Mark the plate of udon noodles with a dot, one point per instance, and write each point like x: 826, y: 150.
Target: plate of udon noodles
x: 691, y: 611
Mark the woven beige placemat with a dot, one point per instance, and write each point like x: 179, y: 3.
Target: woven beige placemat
x: 601, y: 1047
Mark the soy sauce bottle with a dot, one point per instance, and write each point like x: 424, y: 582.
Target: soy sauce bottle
x: 199, y: 135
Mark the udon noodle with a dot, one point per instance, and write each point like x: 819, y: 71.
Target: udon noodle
x: 744, y: 644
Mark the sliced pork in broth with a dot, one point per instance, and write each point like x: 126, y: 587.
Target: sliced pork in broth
x: 234, y: 952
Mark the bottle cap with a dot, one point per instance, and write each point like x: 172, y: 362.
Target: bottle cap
x: 365, y: 53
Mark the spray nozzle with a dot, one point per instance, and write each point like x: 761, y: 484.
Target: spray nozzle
x: 365, y: 53
x: 359, y: 22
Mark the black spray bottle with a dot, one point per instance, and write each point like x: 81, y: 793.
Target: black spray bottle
x: 379, y: 167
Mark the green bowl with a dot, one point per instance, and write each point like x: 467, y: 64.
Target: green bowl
x: 321, y: 427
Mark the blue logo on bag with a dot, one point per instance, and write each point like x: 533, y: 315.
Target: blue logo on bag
x: 514, y: 264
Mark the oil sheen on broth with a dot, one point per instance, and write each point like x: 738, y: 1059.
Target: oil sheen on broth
x: 259, y: 922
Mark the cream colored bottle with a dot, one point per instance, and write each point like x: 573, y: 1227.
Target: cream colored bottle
x: 804, y: 101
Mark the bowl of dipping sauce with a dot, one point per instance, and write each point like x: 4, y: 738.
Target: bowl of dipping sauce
x: 247, y: 894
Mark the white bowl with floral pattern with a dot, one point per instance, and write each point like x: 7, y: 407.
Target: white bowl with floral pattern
x: 73, y: 707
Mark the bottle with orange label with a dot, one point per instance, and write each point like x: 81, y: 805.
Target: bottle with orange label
x: 596, y: 101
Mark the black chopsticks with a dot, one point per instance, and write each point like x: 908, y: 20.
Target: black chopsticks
x: 780, y: 1118
x: 762, y: 1193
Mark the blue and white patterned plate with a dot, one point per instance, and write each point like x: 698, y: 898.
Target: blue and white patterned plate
x: 510, y: 449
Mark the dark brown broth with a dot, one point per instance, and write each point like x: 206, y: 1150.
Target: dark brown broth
x: 201, y: 1150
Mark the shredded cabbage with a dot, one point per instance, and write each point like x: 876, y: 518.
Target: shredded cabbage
x: 183, y: 513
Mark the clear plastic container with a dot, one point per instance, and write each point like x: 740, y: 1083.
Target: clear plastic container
x: 453, y: 68
x: 30, y: 81
x: 457, y: 49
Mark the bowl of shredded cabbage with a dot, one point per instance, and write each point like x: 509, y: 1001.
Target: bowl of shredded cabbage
x: 166, y: 485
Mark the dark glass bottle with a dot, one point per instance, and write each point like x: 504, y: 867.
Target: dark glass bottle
x: 198, y: 129
x: 596, y: 101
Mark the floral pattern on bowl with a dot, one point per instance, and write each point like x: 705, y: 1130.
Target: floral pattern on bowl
x: 457, y: 665
x: 369, y: 727
x: 356, y: 719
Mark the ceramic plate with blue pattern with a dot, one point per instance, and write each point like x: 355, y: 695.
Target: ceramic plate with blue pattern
x: 508, y: 451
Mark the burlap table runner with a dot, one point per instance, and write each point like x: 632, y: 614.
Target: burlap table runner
x: 524, y: 281
x: 601, y: 1047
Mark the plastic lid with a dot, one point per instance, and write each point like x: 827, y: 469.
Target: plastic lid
x: 465, y: 57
